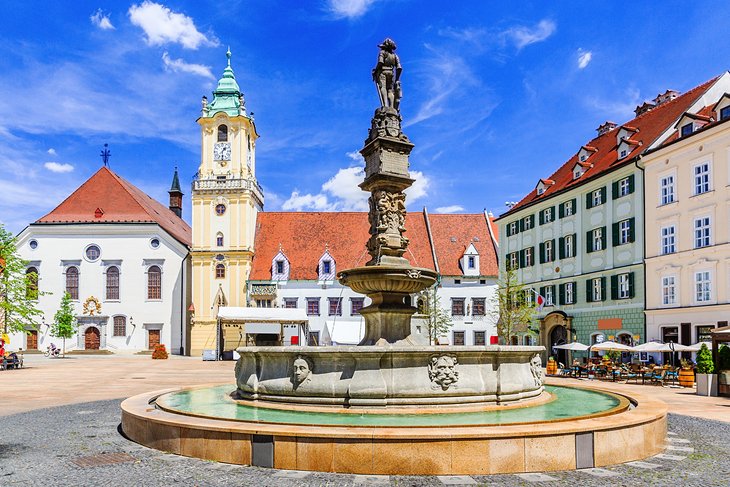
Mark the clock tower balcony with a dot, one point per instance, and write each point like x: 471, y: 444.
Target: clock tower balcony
x: 224, y: 184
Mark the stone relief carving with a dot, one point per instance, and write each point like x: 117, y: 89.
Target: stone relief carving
x: 442, y: 371
x: 387, y: 217
x: 536, y: 369
x: 301, y: 371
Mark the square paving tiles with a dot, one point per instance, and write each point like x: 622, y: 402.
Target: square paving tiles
x: 644, y: 465
x: 674, y: 458
x: 677, y: 440
x: 292, y: 474
x: 536, y: 477
x: 687, y: 449
x: 371, y: 480
x: 599, y: 472
x: 456, y: 480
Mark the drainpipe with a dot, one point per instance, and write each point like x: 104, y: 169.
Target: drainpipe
x: 640, y: 166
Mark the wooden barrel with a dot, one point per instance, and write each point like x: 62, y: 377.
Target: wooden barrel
x: 552, y: 367
x: 686, y: 377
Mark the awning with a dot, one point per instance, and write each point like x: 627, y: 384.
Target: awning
x: 258, y: 315
x: 344, y: 332
x: 575, y: 346
x: 274, y: 328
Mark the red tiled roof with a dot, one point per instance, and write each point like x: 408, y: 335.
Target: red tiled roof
x: 647, y: 127
x: 120, y: 202
x: 452, y: 235
x: 303, y: 237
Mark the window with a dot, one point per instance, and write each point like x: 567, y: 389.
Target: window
x: 33, y: 244
x: 120, y: 326
x: 669, y: 290
x: 528, y: 297
x: 290, y: 303
x: 112, y: 282
x: 596, y: 239
x: 702, y: 286
x: 702, y: 178
x: 528, y: 259
x: 155, y: 243
x: 92, y: 252
x: 513, y: 260
x: 263, y: 303
x: 31, y: 284
x: 471, y: 262
x: 527, y: 222
x: 546, y: 215
x: 577, y: 173
x: 549, y: 251
x: 702, y: 232
x: 326, y: 267
x: 668, y: 238
x: 512, y: 228
x: 478, y: 306
x: 154, y: 282
x: 569, y: 246
x: 220, y: 271
x: 548, y: 295
x: 540, y: 190
x: 313, y: 306
x: 725, y: 112
x: 667, y: 189
x: 222, y: 133
x: 72, y: 282
x: 356, y: 304
x: 569, y: 293
x: 220, y: 209
x: 687, y: 129
x: 219, y: 240
x: 596, y: 289
x: 313, y: 338
x: 480, y: 338
x: 335, y: 307
x: 597, y: 197
x: 459, y: 337
x: 624, y: 187
x: 457, y: 306
x: 624, y: 232
x: 623, y: 286
x: 568, y: 208
x: 704, y: 331
x: 279, y: 266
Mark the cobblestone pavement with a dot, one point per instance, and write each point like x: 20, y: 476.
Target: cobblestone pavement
x: 52, y: 447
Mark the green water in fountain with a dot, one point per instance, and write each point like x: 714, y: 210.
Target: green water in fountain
x: 215, y: 402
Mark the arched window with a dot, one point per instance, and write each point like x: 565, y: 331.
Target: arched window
x: 219, y: 239
x: 220, y: 271
x: 112, y: 282
x: 120, y: 326
x: 31, y: 284
x: 154, y: 283
x: 222, y: 133
x: 72, y: 282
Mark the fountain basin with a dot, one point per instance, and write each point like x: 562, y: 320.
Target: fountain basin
x: 372, y: 376
x: 387, y: 279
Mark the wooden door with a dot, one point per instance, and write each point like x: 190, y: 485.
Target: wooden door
x: 92, y: 338
x: 31, y: 342
x: 154, y: 338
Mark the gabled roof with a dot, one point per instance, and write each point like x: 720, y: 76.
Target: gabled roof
x: 453, y: 233
x: 647, y: 128
x: 120, y: 202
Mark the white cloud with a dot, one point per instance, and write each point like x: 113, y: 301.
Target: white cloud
x: 584, y: 57
x: 162, y: 26
x: 616, y: 109
x: 341, y: 193
x: 58, y: 167
x: 348, y: 8
x: 51, y: 151
x: 449, y: 209
x: 524, y: 36
x: 180, y: 65
x: 354, y: 155
x: 101, y: 20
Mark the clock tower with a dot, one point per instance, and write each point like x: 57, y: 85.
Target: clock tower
x: 226, y: 198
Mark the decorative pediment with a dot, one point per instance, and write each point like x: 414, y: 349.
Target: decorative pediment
x: 668, y: 268
x: 703, y: 262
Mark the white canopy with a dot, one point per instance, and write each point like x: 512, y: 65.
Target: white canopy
x: 575, y: 346
x: 344, y: 332
x: 609, y: 345
x: 660, y: 347
x: 258, y: 315
x: 696, y: 347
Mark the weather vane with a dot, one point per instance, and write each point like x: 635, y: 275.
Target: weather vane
x: 106, y: 154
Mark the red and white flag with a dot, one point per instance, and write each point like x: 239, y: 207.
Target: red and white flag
x: 539, y: 301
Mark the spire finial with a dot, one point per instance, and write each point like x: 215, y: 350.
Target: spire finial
x: 228, y: 55
x: 106, y: 154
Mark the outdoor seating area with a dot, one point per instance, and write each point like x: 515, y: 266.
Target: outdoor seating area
x: 634, y: 373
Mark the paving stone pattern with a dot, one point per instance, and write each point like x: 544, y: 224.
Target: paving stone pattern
x: 44, y: 447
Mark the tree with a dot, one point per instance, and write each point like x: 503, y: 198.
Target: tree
x: 64, y: 321
x: 704, y: 361
x: 18, y: 289
x: 511, y: 308
x: 438, y: 320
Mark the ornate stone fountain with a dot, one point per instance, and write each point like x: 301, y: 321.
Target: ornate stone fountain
x: 391, y: 365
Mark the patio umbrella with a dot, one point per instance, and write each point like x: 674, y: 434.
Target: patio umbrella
x: 696, y: 347
x: 648, y: 347
x: 575, y: 346
x: 609, y: 345
x: 671, y: 347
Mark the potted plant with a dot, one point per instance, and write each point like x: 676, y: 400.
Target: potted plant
x: 686, y: 374
x: 724, y: 373
x: 706, y: 379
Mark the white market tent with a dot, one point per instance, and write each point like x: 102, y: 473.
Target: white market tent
x: 262, y: 321
x: 661, y: 347
x: 575, y: 347
x: 609, y: 345
x: 345, y: 332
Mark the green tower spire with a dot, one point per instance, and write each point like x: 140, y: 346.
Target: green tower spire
x: 227, y: 96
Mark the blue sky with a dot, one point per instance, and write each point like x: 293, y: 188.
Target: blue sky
x: 495, y: 96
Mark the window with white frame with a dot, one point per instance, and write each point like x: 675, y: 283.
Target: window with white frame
x: 513, y: 260
x: 669, y: 290
x: 597, y: 236
x: 569, y: 293
x: 669, y: 239
x: 568, y: 208
x: 623, y: 153
x: 471, y: 262
x: 548, y: 215
x: 528, y: 257
x: 527, y: 222
x: 568, y: 246
x: 597, y: 197
x: 624, y: 232
x: 623, y: 286
x: 666, y: 185
x: 513, y: 228
x: 549, y: 253
x: 548, y: 295
x: 702, y: 232
x: 596, y: 289
x: 624, y: 187
x: 687, y: 129
x: 703, y: 286
x: 702, y: 178
x: 577, y: 173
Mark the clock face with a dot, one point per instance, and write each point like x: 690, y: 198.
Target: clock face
x: 222, y: 151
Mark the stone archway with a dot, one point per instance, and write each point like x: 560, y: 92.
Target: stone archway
x: 92, y: 338
x: 555, y: 331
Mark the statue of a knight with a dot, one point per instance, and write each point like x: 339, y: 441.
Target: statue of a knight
x: 386, y: 75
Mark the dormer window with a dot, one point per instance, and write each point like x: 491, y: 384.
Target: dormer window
x: 623, y: 153
x: 687, y: 129
x: 540, y: 190
x: 222, y: 133
x: 583, y: 157
x: 725, y: 113
x: 577, y: 173
x: 326, y: 267
x: 280, y: 267
x: 470, y: 261
x: 542, y: 185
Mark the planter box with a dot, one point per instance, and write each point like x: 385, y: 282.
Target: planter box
x: 706, y: 385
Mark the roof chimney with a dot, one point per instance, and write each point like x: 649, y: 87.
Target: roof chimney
x: 643, y: 108
x: 606, y: 127
x: 668, y: 95
x: 176, y: 195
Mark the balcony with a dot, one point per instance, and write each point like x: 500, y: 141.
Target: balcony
x: 220, y: 183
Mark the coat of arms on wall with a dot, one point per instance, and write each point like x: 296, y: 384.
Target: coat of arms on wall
x: 92, y: 306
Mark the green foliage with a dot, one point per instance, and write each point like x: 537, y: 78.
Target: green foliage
x: 511, y: 309
x: 438, y: 320
x: 18, y: 291
x: 64, y: 321
x: 704, y: 361
x: 724, y: 357
x: 613, y: 355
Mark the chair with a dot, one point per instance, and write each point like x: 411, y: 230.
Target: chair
x: 672, y: 375
x: 564, y: 370
x: 658, y: 378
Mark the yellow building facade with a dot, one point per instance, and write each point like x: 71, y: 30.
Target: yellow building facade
x: 226, y: 198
